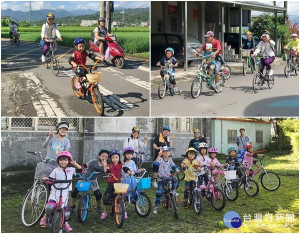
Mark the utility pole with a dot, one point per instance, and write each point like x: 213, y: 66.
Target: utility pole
x: 102, y: 9
x: 108, y: 16
x: 285, y: 5
x: 29, y: 12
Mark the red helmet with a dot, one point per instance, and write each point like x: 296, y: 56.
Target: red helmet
x: 64, y: 154
x: 249, y: 146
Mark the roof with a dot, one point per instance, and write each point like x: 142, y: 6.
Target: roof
x: 256, y: 6
x: 244, y: 120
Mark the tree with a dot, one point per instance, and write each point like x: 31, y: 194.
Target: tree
x: 5, y: 21
x: 290, y: 128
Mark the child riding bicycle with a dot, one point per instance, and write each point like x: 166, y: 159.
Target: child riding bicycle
x: 293, y: 45
x: 249, y: 159
x: 209, y: 59
x: 169, y: 59
x: 203, y: 160
x: 213, y: 156
x: 13, y: 29
x: 249, y: 44
x: 233, y: 161
x: 63, y: 172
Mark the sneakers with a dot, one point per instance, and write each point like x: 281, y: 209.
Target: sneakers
x: 104, y: 215
x: 43, y: 58
x: 155, y: 210
x: 99, y: 210
x: 67, y: 227
x: 154, y: 184
x: 78, y: 85
x: 222, y: 68
x: 126, y: 215
x: 174, y: 90
x: 270, y: 72
x: 72, y: 209
x: 43, y: 222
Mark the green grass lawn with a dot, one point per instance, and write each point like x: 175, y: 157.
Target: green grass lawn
x: 281, y: 202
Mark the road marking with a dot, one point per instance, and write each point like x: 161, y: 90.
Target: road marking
x: 44, y: 105
x: 146, y: 69
x: 64, y: 54
x: 21, y: 54
x: 132, y: 79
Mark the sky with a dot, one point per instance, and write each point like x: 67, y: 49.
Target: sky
x: 67, y: 5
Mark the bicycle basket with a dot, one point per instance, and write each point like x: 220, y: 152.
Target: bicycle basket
x: 43, y: 170
x: 94, y: 77
x: 245, y: 53
x: 144, y: 183
x: 230, y: 175
x: 120, y: 188
x: 83, y: 186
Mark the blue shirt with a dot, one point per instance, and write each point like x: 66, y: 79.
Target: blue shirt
x: 171, y: 60
x: 208, y: 55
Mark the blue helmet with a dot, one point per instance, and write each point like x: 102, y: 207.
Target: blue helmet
x: 167, y: 127
x: 232, y: 148
x: 114, y: 152
x: 79, y: 40
x: 170, y: 49
x: 165, y: 148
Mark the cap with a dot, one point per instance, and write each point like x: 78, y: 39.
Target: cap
x: 209, y: 34
x: 294, y: 35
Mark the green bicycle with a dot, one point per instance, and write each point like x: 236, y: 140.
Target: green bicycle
x: 247, y: 62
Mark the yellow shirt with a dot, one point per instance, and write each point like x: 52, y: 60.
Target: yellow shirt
x: 293, y: 43
x: 188, y: 164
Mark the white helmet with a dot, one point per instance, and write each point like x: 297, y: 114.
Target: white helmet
x: 203, y: 145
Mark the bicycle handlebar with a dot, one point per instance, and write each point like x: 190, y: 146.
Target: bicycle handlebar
x: 91, y: 68
x: 68, y: 182
x: 89, y: 177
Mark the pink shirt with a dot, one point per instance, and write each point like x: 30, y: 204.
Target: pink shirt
x: 248, y: 158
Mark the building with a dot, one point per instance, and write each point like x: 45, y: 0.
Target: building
x: 88, y: 22
x: 89, y: 135
x: 117, y: 24
x: 144, y: 24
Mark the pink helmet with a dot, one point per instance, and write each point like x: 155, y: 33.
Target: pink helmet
x: 64, y: 154
x: 212, y: 150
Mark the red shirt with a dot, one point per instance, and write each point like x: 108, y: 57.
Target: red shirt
x: 80, y: 58
x: 116, y: 170
x: 215, y: 45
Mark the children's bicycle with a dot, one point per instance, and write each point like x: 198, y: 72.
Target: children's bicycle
x: 118, y: 206
x: 33, y: 207
x: 247, y: 62
x: 89, y: 86
x: 291, y: 67
x: 229, y: 188
x: 50, y: 60
x: 85, y: 199
x: 195, y: 197
x: 15, y: 40
x: 259, y: 79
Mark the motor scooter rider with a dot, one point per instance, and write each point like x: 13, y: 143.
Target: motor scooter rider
x: 100, y: 32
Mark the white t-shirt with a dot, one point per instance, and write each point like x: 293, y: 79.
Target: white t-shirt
x: 13, y: 28
x: 136, y: 144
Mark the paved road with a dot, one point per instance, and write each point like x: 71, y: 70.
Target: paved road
x: 29, y: 89
x: 236, y: 100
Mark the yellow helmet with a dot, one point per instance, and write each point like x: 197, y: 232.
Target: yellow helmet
x: 135, y: 129
x: 196, y: 130
x: 248, y: 33
x: 50, y: 15
x: 191, y: 149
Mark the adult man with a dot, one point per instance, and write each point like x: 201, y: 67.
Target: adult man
x: 294, y: 43
x: 100, y: 32
x: 197, y: 139
x: 243, y: 140
x: 160, y: 141
x: 217, y: 48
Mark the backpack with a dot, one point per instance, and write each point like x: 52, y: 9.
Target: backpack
x: 93, y: 34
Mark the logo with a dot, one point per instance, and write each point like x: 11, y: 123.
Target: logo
x: 232, y: 219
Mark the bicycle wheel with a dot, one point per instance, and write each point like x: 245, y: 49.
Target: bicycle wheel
x: 226, y: 72
x: 287, y: 70
x: 174, y: 206
x: 231, y: 191
x: 198, y: 202
x: 162, y: 89
x: 220, y: 85
x: 218, y: 199
x: 251, y: 187
x: 166, y: 201
x: 245, y: 66
x: 97, y: 100
x: 196, y: 87
x: 57, y: 222
x: 79, y: 93
x: 143, y: 204
x: 270, y: 82
x: 33, y: 207
x: 257, y: 82
x: 54, y: 64
x: 83, y: 207
x: 11, y: 42
x: 270, y: 181
x: 119, y: 211
x: 17, y: 41
x: 296, y: 69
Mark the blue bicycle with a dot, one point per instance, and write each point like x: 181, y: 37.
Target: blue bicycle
x: 85, y: 199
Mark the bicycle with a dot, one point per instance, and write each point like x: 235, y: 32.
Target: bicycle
x: 226, y: 72
x: 212, y: 192
x: 202, y: 75
x: 259, y: 79
x: 85, y: 199
x: 118, y: 206
x: 229, y: 188
x: 15, y: 40
x: 290, y: 66
x: 247, y: 62
x: 50, y: 59
x: 33, y: 206
x: 195, y: 197
x: 89, y: 86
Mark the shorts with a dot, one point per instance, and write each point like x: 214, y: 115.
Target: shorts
x: 218, y: 66
x: 99, y: 42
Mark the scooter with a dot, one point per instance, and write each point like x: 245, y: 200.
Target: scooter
x: 113, y: 52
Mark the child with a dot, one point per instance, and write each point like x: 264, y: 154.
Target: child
x: 171, y: 60
x: 49, y: 31
x: 165, y: 163
x: 79, y: 58
x: 115, y: 170
x: 191, y: 163
x: 231, y: 158
x: 203, y: 160
x: 213, y: 157
x: 97, y: 165
x: 249, y: 158
x: 63, y: 172
x: 197, y: 139
x: 209, y: 58
x: 13, y: 29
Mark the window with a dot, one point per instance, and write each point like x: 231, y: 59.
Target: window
x: 259, y: 136
x: 231, y: 136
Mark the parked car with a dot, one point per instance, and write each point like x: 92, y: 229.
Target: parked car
x: 161, y: 41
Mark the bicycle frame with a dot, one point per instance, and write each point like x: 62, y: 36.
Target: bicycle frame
x: 204, y: 76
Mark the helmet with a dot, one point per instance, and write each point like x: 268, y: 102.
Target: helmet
x: 196, y: 130
x: 248, y: 33
x: 62, y: 124
x: 203, y: 145
x: 64, y: 154
x: 101, y: 19
x: 135, y: 129
x: 50, y: 15
x: 294, y: 35
x: 114, y: 152
x: 190, y: 149
x: 79, y: 40
x: 249, y: 146
x: 208, y: 46
x: 231, y: 149
x: 167, y: 127
x: 169, y: 49
x: 128, y: 149
x: 103, y: 151
x: 165, y: 148
x: 266, y: 33
x: 212, y: 150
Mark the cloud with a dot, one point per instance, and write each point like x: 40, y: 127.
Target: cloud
x: 88, y: 6
x: 4, y: 6
x: 61, y: 7
x: 129, y: 4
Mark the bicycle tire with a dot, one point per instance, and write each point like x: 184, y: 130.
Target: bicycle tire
x: 256, y: 83
x: 198, y: 202
x: 162, y: 88
x: 57, y: 222
x: 97, y: 100
x: 119, y: 211
x: 219, y: 196
x: 296, y: 69
x: 220, y: 85
x: 249, y: 185
x: 226, y: 71
x: 196, y: 87
x: 143, y: 200
x: 37, y: 207
x: 174, y: 206
x: 17, y: 41
x: 245, y: 66
x: 54, y: 64
x: 265, y: 176
x: 287, y: 70
x: 231, y: 191
x: 270, y: 82
x: 166, y: 202
x: 83, y: 209
x: 78, y: 93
